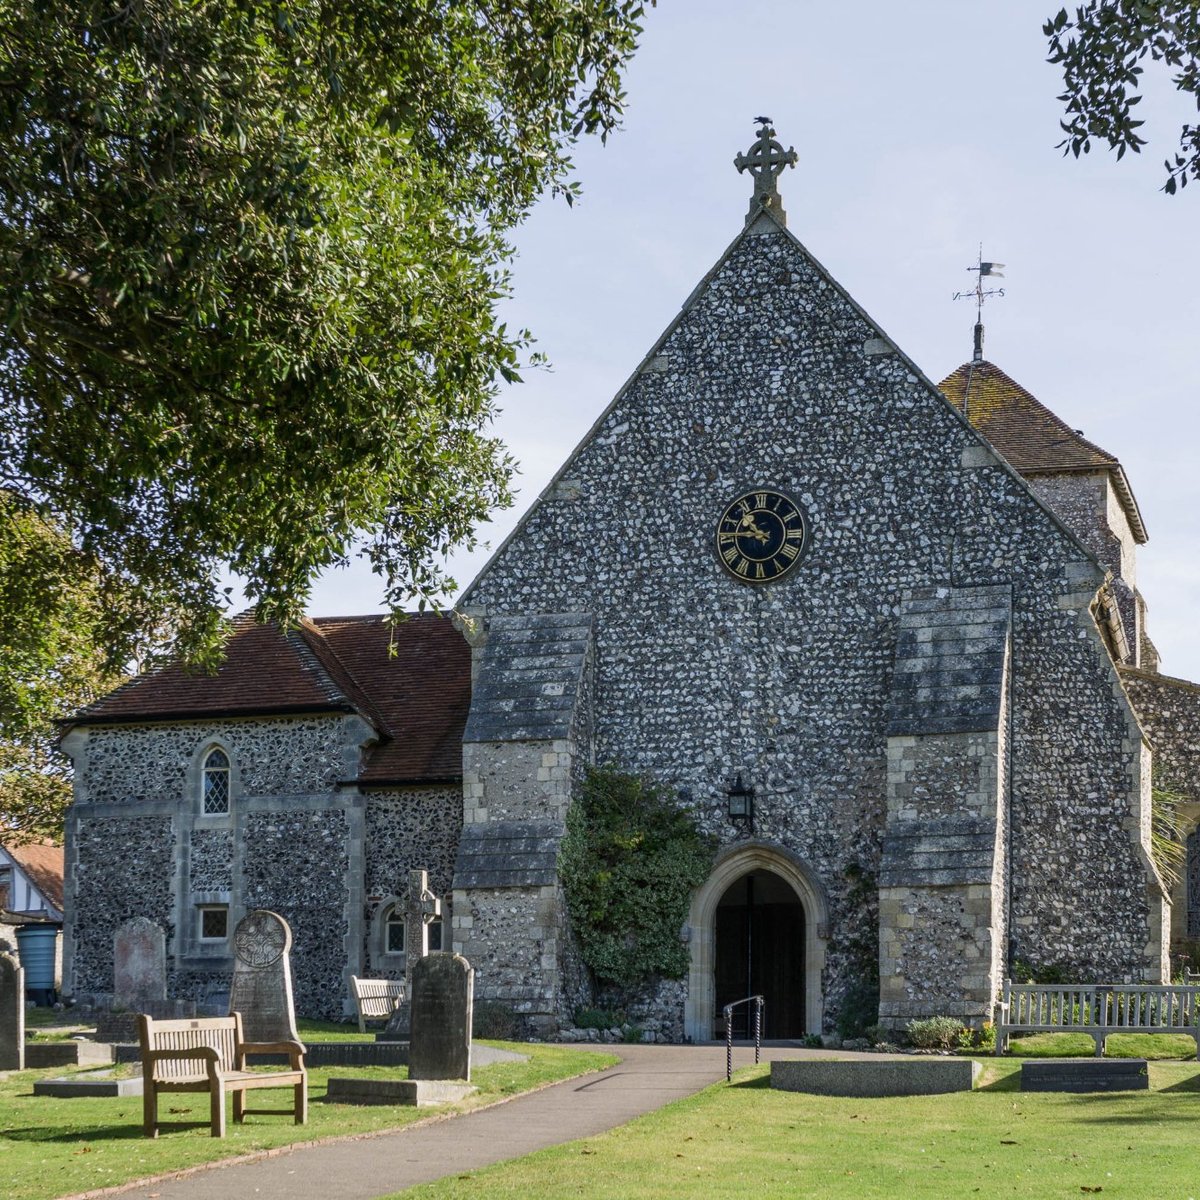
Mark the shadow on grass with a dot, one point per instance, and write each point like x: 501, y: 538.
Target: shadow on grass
x: 759, y: 1081
x: 97, y: 1133
x: 1006, y: 1083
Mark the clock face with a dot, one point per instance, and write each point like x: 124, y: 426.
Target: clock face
x: 761, y: 536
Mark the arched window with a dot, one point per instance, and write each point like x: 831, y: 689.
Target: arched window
x: 393, y: 931
x: 215, y: 787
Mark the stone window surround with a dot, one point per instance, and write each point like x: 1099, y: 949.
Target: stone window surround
x: 732, y: 864
x: 195, y: 784
x: 209, y: 770
x: 393, y: 907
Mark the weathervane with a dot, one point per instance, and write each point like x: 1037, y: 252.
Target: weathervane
x: 980, y: 294
x: 765, y: 160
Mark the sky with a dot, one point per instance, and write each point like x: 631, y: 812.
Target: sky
x: 922, y: 129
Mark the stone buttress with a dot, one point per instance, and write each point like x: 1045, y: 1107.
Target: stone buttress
x: 526, y: 742
x: 942, y: 880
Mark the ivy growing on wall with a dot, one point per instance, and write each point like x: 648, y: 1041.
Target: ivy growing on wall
x: 629, y: 862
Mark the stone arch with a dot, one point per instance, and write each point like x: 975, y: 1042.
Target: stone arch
x: 732, y: 863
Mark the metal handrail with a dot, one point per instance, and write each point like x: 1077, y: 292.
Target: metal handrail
x: 758, y: 1003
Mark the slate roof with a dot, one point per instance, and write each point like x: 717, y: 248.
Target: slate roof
x: 43, y: 866
x: 1028, y: 435
x: 411, y: 681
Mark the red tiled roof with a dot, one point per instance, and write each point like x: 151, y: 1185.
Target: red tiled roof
x: 264, y: 671
x: 43, y: 864
x: 1028, y: 435
x: 418, y: 676
x: 411, y: 681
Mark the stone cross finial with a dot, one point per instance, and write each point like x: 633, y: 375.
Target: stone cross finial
x: 765, y: 161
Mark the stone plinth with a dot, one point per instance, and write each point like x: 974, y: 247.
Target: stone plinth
x: 914, y: 1076
x: 99, y: 1084
x: 396, y: 1091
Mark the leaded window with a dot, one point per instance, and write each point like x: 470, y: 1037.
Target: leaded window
x: 214, y: 922
x: 216, y: 783
x: 393, y: 931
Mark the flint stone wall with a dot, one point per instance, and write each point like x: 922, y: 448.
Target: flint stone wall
x: 1169, y: 710
x: 412, y: 829
x: 772, y: 376
x: 138, y: 845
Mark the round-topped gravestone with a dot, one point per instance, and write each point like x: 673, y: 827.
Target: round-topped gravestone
x: 139, y: 966
x: 442, y: 1002
x: 262, y: 978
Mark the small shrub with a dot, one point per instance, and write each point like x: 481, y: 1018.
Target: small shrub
x: 812, y: 1041
x: 599, y: 1018
x: 935, y: 1033
x: 966, y: 1039
x: 632, y: 1033
x: 985, y: 1037
x: 496, y: 1022
x: 875, y: 1034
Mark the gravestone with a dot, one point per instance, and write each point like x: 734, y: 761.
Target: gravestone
x: 442, y: 1001
x: 262, y: 978
x: 421, y: 907
x: 12, y: 1015
x: 139, y: 981
x: 139, y: 966
x: 1085, y: 1075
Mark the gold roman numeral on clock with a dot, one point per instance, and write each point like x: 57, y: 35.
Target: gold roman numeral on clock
x: 730, y: 554
x: 789, y: 552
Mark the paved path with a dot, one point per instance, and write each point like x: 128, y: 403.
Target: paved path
x: 646, y: 1078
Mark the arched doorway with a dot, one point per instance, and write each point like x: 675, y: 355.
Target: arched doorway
x: 717, y: 902
x: 759, y: 950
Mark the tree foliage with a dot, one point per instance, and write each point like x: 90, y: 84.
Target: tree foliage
x: 629, y: 862
x: 55, y: 603
x: 250, y: 256
x: 1102, y: 50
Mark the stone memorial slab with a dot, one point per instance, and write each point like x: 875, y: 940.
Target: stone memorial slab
x: 262, y: 978
x: 442, y: 1002
x: 915, y: 1076
x: 1085, y: 1075
x: 12, y: 1015
x: 139, y: 966
x: 91, y: 1083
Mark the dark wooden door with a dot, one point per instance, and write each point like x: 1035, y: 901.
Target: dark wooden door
x: 760, y: 950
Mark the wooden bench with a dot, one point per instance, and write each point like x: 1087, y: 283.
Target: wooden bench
x: 208, y: 1055
x: 375, y: 999
x: 1098, y: 1010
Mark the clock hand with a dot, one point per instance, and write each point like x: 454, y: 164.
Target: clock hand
x: 751, y: 528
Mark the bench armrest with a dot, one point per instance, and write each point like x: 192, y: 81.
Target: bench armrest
x: 294, y: 1050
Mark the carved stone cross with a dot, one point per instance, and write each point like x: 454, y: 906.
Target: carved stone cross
x: 765, y: 161
x: 421, y: 907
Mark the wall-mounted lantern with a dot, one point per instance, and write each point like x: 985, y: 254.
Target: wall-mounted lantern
x: 741, y: 802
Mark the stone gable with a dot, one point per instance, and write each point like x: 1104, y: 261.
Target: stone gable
x: 773, y: 377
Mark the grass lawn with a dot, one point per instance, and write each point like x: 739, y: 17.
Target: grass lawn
x: 57, y: 1147
x: 747, y: 1140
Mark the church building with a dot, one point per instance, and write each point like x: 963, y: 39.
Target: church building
x: 882, y: 638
